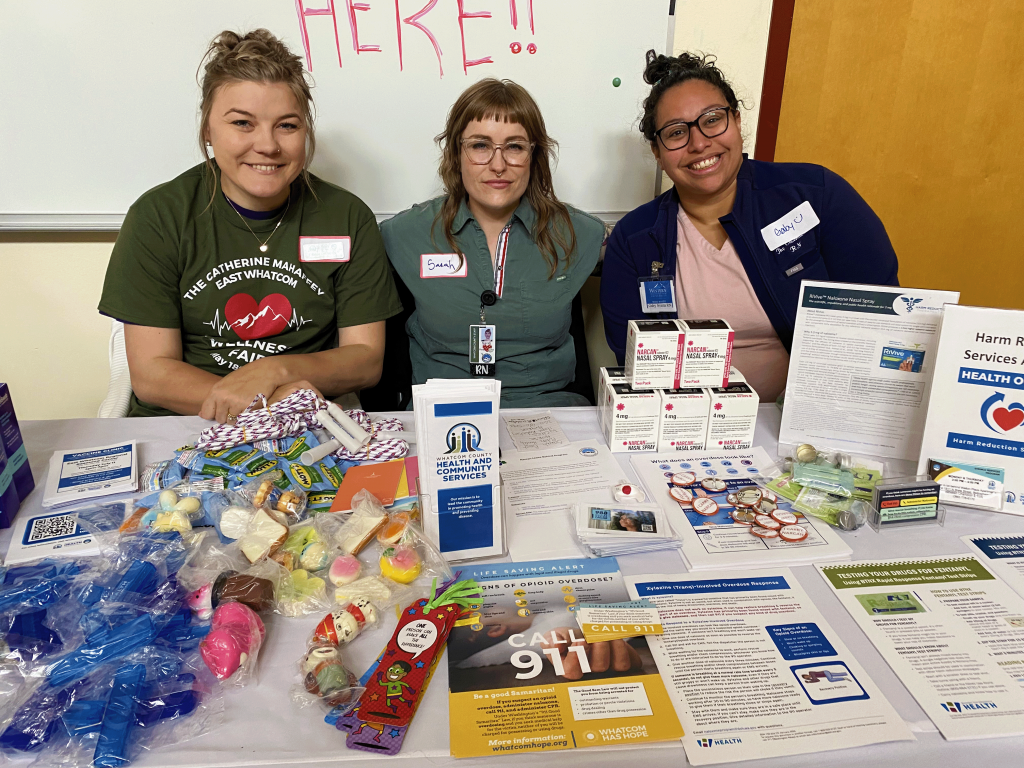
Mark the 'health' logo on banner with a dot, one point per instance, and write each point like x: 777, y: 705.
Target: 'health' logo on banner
x: 999, y: 417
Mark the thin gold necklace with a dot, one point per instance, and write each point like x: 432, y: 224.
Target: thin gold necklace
x: 263, y: 243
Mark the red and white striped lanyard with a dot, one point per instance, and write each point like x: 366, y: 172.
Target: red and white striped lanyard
x: 500, y: 254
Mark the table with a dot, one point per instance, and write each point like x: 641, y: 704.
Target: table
x: 262, y: 727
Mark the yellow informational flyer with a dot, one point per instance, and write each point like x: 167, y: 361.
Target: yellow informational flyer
x: 522, y: 678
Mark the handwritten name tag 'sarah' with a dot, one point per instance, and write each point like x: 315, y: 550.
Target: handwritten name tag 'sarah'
x: 443, y: 265
x: 789, y: 227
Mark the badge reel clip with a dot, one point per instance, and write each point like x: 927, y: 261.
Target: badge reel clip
x: 657, y: 293
x: 483, y: 340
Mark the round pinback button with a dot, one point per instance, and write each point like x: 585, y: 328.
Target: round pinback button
x: 628, y: 492
x: 793, y: 533
x: 705, y: 506
x: 731, y: 499
x: 766, y: 507
x: 748, y: 497
x: 488, y: 298
x: 713, y: 484
x: 784, y: 517
x: 682, y: 495
x: 764, y: 533
x: 683, y: 479
x: 766, y: 521
x: 770, y: 495
x: 742, y: 516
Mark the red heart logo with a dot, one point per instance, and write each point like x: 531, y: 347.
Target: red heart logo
x: 1006, y: 419
x: 256, y: 321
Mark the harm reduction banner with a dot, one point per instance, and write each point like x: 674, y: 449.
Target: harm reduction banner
x: 976, y: 411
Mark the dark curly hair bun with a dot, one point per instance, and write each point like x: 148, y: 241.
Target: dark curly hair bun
x: 663, y: 72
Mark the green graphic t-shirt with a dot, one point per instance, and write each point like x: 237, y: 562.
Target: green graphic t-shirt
x: 182, y: 262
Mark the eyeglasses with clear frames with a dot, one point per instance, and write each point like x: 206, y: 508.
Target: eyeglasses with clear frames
x: 481, y: 151
x: 712, y: 123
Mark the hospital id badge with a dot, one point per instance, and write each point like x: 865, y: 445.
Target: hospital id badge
x: 657, y: 294
x: 482, y: 346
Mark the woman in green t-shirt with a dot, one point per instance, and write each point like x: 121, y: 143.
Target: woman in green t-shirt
x: 494, y: 264
x: 247, y: 274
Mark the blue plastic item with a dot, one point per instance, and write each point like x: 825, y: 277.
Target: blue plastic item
x: 101, y: 647
x: 36, y: 721
x: 119, y: 717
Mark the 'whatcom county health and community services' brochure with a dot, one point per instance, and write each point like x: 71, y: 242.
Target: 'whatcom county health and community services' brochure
x: 521, y: 679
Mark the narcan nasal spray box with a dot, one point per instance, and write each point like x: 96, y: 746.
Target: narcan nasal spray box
x: 732, y: 419
x: 683, y: 425
x: 707, y: 353
x: 608, y: 376
x: 632, y: 424
x: 653, y: 353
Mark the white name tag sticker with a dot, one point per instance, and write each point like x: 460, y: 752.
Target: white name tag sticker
x: 788, y: 228
x: 313, y: 249
x: 443, y: 265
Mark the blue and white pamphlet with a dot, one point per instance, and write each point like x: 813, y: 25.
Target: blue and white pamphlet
x: 457, y: 421
x: 88, y: 473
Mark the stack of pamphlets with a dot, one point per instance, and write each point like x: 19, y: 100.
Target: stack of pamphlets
x: 457, y: 428
x: 82, y: 474
x: 608, y: 530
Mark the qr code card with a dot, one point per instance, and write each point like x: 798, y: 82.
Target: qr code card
x: 61, y: 533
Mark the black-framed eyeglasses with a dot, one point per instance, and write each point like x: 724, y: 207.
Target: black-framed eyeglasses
x: 481, y: 151
x: 712, y: 123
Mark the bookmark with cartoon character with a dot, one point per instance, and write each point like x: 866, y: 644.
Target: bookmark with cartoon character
x: 393, y: 693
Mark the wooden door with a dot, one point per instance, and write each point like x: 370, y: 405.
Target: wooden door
x: 920, y: 105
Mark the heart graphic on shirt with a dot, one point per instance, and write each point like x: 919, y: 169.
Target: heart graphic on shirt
x: 1007, y: 419
x: 256, y: 321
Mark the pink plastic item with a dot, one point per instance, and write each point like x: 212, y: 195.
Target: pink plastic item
x: 235, y: 638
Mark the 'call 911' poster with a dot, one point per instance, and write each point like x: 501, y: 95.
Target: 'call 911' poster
x: 522, y: 678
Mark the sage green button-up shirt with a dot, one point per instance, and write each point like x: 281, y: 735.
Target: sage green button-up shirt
x: 536, y: 357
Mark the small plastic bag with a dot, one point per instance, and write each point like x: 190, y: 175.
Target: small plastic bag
x: 842, y: 512
x: 326, y: 681
x: 231, y: 648
x: 358, y: 527
x: 231, y: 513
x: 296, y: 593
x: 405, y: 554
x: 274, y: 493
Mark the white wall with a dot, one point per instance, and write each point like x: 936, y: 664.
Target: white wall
x: 53, y: 343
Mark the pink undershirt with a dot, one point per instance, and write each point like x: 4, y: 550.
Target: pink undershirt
x: 713, y: 284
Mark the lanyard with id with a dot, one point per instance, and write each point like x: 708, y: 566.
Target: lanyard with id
x: 657, y: 293
x: 483, y: 342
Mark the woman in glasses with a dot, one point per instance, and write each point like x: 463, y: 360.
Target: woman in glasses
x: 494, y: 264
x: 735, y: 236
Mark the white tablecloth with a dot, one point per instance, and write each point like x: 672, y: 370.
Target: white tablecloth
x: 262, y: 727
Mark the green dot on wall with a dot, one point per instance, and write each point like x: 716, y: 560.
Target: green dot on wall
x: 616, y: 82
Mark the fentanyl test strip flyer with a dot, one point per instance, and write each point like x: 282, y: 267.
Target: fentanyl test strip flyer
x: 755, y: 671
x: 1003, y: 554
x: 950, y: 630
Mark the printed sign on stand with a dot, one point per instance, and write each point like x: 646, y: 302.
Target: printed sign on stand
x: 976, y: 412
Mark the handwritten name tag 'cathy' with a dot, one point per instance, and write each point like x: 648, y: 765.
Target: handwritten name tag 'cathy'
x: 442, y: 265
x: 788, y: 228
